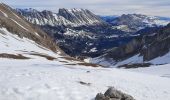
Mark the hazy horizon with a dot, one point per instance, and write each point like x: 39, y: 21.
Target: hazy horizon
x: 99, y: 7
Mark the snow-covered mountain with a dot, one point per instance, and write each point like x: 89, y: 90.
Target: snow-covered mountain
x: 83, y: 27
x: 136, y: 22
x: 96, y: 39
x: 33, y: 67
x: 72, y: 27
x: 80, y: 16
x: 66, y: 17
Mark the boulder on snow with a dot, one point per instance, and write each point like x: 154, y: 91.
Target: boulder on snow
x: 113, y: 94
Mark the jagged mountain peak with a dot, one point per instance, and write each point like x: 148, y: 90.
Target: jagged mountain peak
x: 44, y: 17
x: 72, y: 9
x: 80, y: 16
x: 73, y: 17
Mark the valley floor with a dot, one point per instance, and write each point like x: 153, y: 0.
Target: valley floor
x: 52, y: 80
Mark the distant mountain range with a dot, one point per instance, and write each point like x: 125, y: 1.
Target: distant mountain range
x: 82, y: 34
x: 136, y: 22
x: 77, y: 31
x: 73, y: 17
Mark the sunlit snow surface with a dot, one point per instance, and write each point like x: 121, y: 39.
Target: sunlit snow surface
x: 43, y: 80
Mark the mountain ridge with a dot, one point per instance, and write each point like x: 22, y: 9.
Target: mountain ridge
x: 95, y: 40
x: 66, y: 17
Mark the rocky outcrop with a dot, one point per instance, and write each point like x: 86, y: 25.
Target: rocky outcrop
x: 113, y: 94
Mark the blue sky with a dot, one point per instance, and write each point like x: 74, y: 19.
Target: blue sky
x: 100, y: 7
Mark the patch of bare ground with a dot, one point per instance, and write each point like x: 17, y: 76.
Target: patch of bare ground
x: 70, y: 64
x: 84, y: 83
x: 19, y: 56
x: 80, y: 62
x: 43, y: 55
x: 136, y: 65
x: 63, y: 61
x: 88, y: 64
x: 70, y: 59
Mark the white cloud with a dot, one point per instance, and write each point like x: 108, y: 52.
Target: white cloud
x: 102, y: 7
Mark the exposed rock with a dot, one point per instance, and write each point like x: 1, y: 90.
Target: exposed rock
x: 101, y: 96
x: 136, y: 65
x: 113, y: 94
x: 80, y: 16
x: 19, y: 56
x: 66, y: 17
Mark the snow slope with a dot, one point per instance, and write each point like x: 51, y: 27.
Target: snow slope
x: 12, y: 44
x: 62, y: 79
x: 42, y: 79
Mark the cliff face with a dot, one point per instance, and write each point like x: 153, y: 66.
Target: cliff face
x: 159, y: 46
x: 147, y: 47
x: 125, y: 51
